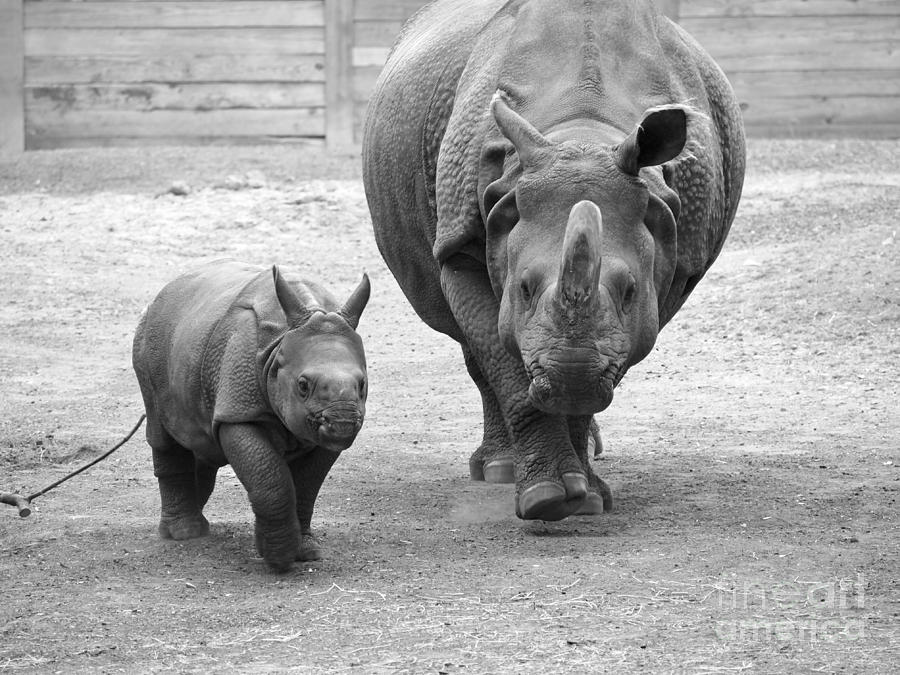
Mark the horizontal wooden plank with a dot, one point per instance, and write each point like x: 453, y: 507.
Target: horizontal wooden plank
x: 183, y: 14
x: 751, y: 43
x: 781, y: 130
x: 387, y: 10
x: 164, y: 41
x: 800, y: 43
x: 376, y: 33
x: 790, y: 84
x: 367, y: 57
x: 147, y: 97
x: 40, y: 70
x: 819, y: 110
x: 812, y: 56
x: 184, y: 123
x: 859, y: 28
x: 400, y: 10
x: 52, y: 142
x: 732, y: 8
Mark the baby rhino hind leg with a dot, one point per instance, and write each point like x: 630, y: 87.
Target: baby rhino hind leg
x: 184, y: 486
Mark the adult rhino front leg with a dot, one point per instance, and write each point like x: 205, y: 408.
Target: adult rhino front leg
x: 494, y: 460
x: 582, y: 429
x: 551, y: 483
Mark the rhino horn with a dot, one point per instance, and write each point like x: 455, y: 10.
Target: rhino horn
x: 356, y: 303
x: 298, y: 304
x: 530, y: 145
x: 579, y: 274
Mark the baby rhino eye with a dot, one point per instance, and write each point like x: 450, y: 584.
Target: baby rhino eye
x: 303, y: 387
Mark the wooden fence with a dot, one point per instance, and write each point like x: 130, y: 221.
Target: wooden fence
x: 112, y: 72
x: 124, y: 72
x: 807, y: 67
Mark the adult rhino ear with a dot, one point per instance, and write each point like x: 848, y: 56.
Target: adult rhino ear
x: 531, y: 147
x: 356, y: 303
x: 659, y: 137
x: 298, y: 305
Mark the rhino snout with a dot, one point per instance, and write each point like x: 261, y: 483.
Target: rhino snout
x: 580, y: 388
x: 336, y: 427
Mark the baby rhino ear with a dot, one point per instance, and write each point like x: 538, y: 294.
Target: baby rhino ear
x: 297, y: 305
x: 356, y: 303
x: 659, y: 137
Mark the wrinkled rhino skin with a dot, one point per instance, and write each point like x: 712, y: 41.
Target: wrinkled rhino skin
x: 548, y: 181
x: 242, y: 365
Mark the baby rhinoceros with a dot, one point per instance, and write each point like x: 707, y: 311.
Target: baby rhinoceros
x: 239, y: 365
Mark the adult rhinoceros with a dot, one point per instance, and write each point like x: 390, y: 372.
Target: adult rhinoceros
x: 548, y: 181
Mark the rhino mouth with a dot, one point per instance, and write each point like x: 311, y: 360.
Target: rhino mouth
x: 575, y: 393
x: 335, y: 427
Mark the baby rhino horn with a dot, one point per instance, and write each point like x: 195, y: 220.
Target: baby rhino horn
x: 356, y: 303
x: 297, y: 304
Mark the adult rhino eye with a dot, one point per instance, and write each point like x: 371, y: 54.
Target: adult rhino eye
x: 303, y: 387
x: 526, y: 292
x: 628, y: 295
x: 530, y: 281
x: 362, y: 387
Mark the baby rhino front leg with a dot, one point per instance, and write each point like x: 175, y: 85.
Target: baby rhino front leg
x: 309, y: 472
x: 267, y: 479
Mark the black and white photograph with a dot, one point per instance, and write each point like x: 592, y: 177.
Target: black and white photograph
x: 449, y: 337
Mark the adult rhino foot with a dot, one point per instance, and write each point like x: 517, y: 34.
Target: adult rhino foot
x: 185, y: 527
x: 599, y: 499
x: 594, y: 441
x: 549, y: 500
x: 492, y: 467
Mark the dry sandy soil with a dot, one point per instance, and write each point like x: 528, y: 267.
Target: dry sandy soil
x: 754, y: 455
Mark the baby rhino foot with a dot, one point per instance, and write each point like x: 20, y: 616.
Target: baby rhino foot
x: 184, y: 527
x: 309, y: 549
x: 278, y: 546
x: 491, y: 465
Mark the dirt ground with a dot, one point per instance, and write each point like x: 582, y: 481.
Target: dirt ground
x: 753, y: 455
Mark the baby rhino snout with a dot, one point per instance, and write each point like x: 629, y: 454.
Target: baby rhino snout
x: 338, y: 425
x: 340, y: 410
